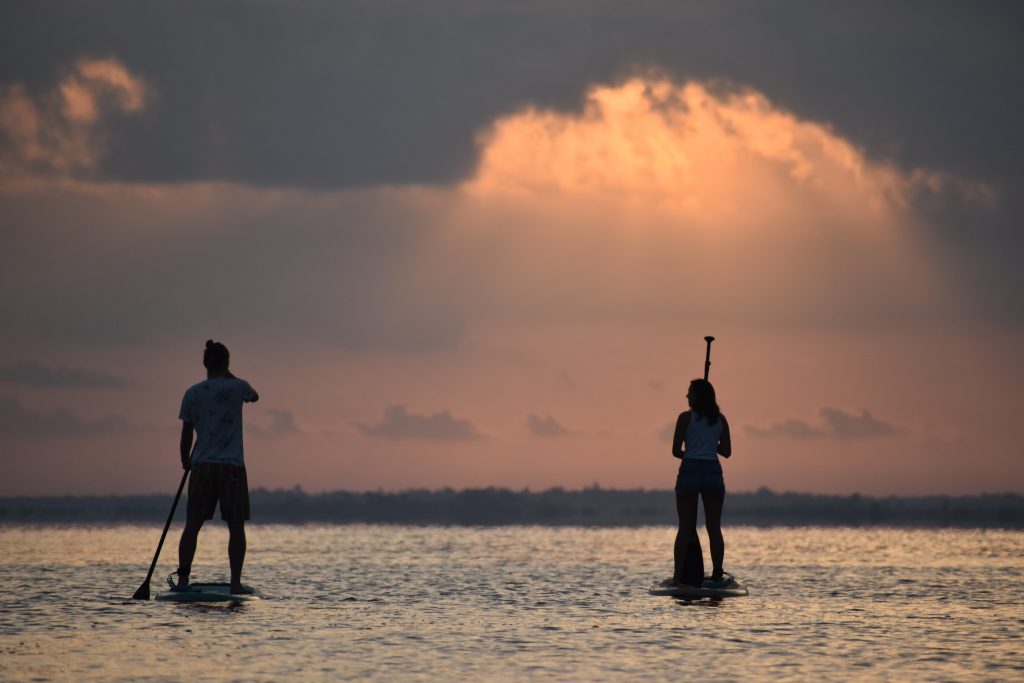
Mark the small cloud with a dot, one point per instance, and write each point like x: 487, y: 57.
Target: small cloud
x: 397, y: 423
x: 18, y: 421
x: 545, y: 426
x: 656, y: 385
x: 792, y: 428
x: 845, y: 425
x: 834, y: 423
x: 62, y: 377
x: 282, y: 423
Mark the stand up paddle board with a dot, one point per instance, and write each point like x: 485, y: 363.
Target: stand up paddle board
x: 731, y: 589
x: 209, y: 592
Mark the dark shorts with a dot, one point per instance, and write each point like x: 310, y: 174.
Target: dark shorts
x: 213, y: 482
x: 700, y: 476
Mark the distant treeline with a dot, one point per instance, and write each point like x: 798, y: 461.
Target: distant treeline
x: 493, y: 506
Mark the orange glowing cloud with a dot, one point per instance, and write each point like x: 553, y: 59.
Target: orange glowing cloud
x: 702, y: 152
x: 60, y: 131
x: 656, y: 188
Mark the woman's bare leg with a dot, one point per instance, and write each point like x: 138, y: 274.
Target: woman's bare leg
x: 686, y: 509
x: 713, y: 519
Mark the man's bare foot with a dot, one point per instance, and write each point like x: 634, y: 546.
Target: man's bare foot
x: 240, y: 589
x: 179, y: 586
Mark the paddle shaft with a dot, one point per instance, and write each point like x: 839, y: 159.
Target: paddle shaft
x: 160, y: 545
x: 707, y: 358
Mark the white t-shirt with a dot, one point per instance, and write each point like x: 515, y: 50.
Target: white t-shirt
x: 215, y: 408
x: 702, y: 438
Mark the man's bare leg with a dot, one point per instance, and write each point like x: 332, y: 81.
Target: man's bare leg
x: 187, y: 550
x: 236, y: 555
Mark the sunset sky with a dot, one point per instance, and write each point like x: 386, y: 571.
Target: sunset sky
x: 479, y: 243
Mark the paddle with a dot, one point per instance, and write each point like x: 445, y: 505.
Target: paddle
x: 143, y: 592
x: 707, y: 358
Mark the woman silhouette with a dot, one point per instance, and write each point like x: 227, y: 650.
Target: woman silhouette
x: 702, y: 434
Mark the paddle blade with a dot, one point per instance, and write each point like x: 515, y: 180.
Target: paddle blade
x: 142, y: 593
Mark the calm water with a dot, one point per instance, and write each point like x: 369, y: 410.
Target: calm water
x: 515, y: 603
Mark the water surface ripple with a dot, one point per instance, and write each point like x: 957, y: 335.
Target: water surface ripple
x: 513, y: 603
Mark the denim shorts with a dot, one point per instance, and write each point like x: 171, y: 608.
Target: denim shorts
x: 700, y: 476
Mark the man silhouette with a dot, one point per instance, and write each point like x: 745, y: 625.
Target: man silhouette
x: 213, y: 410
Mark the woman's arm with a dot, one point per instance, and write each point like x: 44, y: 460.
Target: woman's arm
x: 725, y: 441
x: 680, y: 435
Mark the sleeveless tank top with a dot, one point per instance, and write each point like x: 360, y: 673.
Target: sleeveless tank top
x: 702, y: 438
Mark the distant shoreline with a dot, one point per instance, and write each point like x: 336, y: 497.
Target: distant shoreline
x: 553, y: 507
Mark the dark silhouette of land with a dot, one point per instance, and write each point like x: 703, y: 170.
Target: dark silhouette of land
x: 592, y: 506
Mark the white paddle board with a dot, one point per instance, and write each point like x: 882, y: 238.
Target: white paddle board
x: 209, y: 592
x: 732, y: 589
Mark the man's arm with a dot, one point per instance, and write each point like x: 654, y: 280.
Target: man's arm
x: 724, y: 441
x: 186, y: 444
x: 252, y: 397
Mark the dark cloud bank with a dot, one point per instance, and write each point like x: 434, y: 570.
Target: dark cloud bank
x: 329, y: 94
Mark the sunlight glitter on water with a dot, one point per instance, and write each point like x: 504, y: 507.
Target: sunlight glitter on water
x: 514, y: 603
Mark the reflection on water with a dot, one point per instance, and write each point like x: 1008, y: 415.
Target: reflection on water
x: 511, y: 603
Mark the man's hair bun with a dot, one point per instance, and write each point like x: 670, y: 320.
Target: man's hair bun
x: 216, y: 356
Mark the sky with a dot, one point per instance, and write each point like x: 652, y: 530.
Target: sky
x: 466, y: 244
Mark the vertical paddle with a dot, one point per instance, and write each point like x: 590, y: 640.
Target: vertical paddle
x: 707, y: 358
x: 143, y: 592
